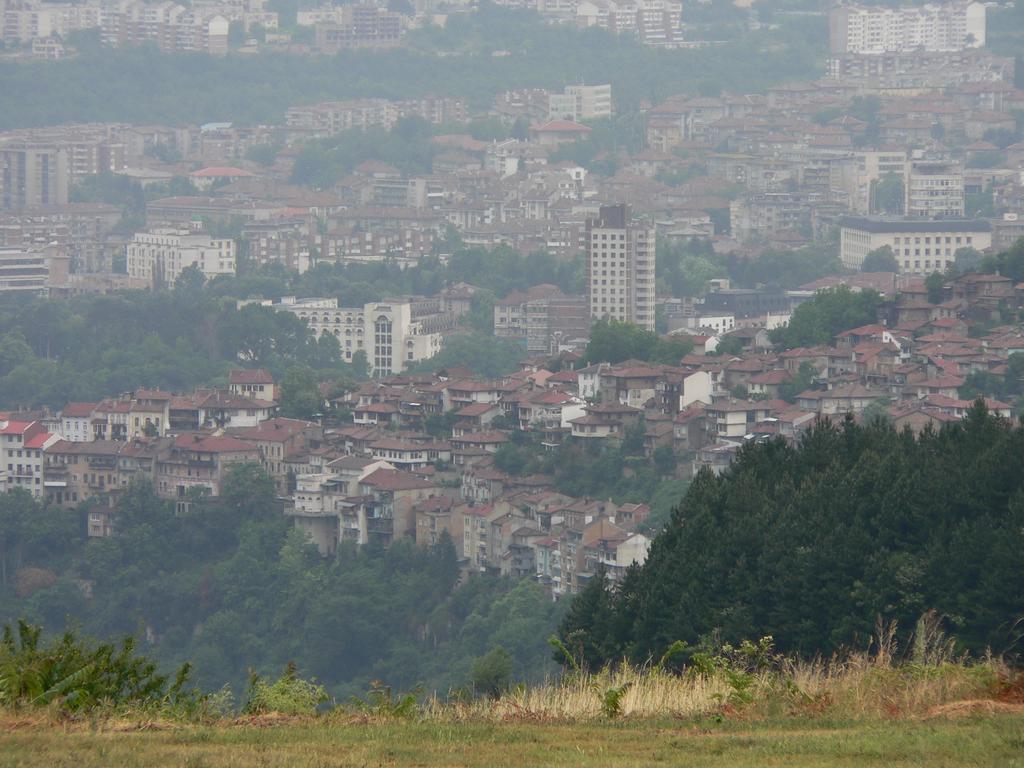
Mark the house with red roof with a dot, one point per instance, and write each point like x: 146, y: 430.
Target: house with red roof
x: 199, y: 461
x: 555, y: 132
x: 387, y: 501
x: 76, y: 422
x: 253, y: 383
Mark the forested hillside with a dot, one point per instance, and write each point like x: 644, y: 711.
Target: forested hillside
x: 233, y: 587
x: 812, y: 544
x: 117, y: 85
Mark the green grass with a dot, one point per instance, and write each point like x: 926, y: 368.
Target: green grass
x: 993, y: 740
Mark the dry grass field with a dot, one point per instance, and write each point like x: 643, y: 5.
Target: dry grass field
x: 745, y: 707
x: 972, y: 739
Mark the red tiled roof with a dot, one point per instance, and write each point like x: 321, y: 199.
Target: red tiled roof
x: 250, y: 376
x: 561, y: 126
x: 211, y: 444
x: 219, y: 172
x: 16, y: 427
x: 393, y: 480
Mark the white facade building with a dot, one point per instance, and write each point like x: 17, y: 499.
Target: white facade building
x: 160, y: 256
x: 920, y: 246
x: 581, y: 102
x: 931, y: 27
x: 21, y: 455
x: 391, y: 333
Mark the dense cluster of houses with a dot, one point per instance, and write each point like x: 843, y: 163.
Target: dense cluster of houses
x: 414, y: 455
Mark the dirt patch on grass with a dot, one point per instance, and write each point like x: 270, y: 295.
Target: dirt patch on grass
x: 271, y: 720
x: 970, y: 707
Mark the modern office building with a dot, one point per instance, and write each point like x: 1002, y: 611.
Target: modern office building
x: 920, y: 246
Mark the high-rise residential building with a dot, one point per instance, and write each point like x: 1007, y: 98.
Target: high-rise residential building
x: 931, y: 27
x: 581, y: 102
x: 160, y: 256
x: 32, y: 174
x: 934, y: 189
x: 620, y: 267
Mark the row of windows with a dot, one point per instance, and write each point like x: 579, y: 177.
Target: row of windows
x: 28, y: 453
x: 928, y: 240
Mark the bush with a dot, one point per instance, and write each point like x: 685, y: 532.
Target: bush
x: 492, y: 673
x: 289, y: 695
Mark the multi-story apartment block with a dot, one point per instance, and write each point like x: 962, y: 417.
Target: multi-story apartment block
x: 581, y: 102
x: 33, y: 270
x: 21, y: 455
x: 278, y: 241
x: 83, y: 230
x: 32, y: 174
x: 920, y: 246
x: 931, y: 27
x: 332, y: 117
x: 160, y: 256
x: 934, y: 189
x: 620, y: 267
x: 859, y: 175
x: 360, y: 26
x: 653, y: 22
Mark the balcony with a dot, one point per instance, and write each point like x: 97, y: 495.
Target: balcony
x: 380, y: 525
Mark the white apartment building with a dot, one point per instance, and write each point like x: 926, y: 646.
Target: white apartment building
x: 653, y: 22
x: 391, y: 333
x: 934, y: 189
x: 581, y: 102
x: 160, y: 256
x: 620, y: 267
x: 931, y: 27
x: 920, y: 246
x: 21, y: 455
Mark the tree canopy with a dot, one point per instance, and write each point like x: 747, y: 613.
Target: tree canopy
x: 812, y: 543
x: 830, y: 311
x: 612, y: 341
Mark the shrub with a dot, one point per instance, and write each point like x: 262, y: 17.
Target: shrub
x: 289, y: 695
x: 77, y: 676
x: 492, y: 673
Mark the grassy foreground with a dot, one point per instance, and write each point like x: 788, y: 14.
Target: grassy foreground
x: 974, y: 740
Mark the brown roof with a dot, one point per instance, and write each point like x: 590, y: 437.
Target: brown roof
x: 250, y: 376
x: 394, y: 480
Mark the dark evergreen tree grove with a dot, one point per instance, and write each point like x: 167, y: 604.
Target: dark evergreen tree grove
x: 812, y: 543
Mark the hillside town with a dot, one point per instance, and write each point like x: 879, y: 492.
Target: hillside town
x: 906, y: 146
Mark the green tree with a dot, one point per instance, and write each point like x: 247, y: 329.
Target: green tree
x: 831, y: 311
x: 585, y: 631
x: 300, y: 393
x: 788, y: 390
x: 887, y: 195
x: 880, y: 260
x: 492, y: 674
x: 936, y: 284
